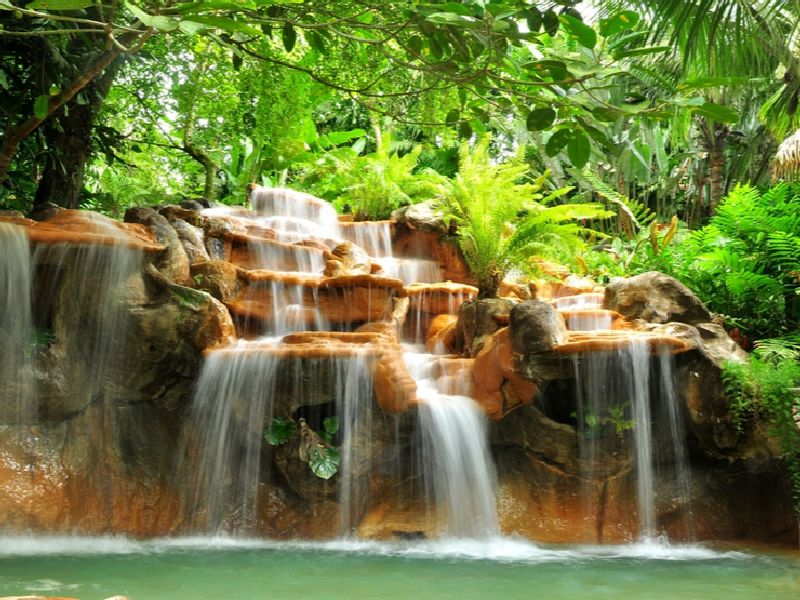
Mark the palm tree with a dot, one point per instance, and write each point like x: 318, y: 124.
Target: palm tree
x: 723, y: 46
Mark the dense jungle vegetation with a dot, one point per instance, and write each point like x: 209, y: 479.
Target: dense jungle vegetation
x: 615, y: 137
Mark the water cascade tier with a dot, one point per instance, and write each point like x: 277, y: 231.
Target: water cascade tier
x: 277, y: 371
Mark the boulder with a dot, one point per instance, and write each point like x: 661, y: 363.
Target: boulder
x: 656, y: 298
x: 425, y: 216
x: 536, y: 326
x: 218, y: 278
x: 478, y: 320
x: 496, y: 386
x: 45, y: 212
x: 173, y: 211
x: 351, y: 259
x: 173, y: 261
x: 191, y: 238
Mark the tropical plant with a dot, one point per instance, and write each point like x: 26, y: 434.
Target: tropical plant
x: 316, y: 448
x: 504, y: 219
x: 370, y: 186
x: 745, y: 263
x: 767, y: 389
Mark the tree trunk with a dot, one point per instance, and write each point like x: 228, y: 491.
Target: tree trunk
x: 716, y: 159
x: 14, y: 135
x: 69, y: 140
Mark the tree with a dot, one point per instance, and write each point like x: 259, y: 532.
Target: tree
x: 402, y: 50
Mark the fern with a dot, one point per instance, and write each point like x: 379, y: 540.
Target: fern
x: 776, y: 350
x: 504, y: 219
x: 634, y: 217
x: 746, y: 261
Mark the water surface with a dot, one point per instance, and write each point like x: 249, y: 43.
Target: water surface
x: 200, y: 568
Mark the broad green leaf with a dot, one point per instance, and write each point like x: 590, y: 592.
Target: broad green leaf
x: 585, y: 35
x: 226, y: 24
x: 340, y: 137
x: 289, y: 37
x: 534, y: 19
x: 449, y: 18
x: 690, y: 101
x: 452, y: 118
x: 557, y: 141
x: 717, y: 112
x: 331, y: 425
x: 41, y: 106
x: 540, y: 118
x: 642, y: 51
x: 6, y: 5
x: 316, y: 41
x: 191, y: 27
x: 206, y: 6
x: 578, y: 149
x: 156, y: 21
x: 550, y: 22
x: 324, y: 462
x: 627, y: 19
x: 4, y: 80
x: 59, y: 4
x: 415, y: 44
x: 280, y: 431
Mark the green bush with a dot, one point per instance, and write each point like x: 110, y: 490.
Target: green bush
x: 766, y: 390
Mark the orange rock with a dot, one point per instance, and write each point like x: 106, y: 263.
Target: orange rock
x: 573, y: 284
x: 439, y: 298
x: 86, y: 227
x: 428, y: 245
x: 608, y: 341
x: 442, y: 333
x: 497, y: 387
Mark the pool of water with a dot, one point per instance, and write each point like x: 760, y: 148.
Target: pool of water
x: 200, y: 568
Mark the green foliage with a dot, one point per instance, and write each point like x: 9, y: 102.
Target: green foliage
x: 324, y: 461
x: 769, y: 390
x: 745, y: 262
x: 322, y: 457
x: 280, y: 431
x: 371, y: 186
x: 503, y: 218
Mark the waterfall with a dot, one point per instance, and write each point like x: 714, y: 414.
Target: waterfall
x: 375, y: 237
x: 616, y: 393
x: 281, y: 202
x: 16, y: 325
x: 457, y: 466
x: 232, y: 400
x: 240, y: 390
x: 81, y: 298
x: 638, y: 357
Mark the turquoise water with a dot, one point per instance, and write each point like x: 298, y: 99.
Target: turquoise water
x: 95, y: 568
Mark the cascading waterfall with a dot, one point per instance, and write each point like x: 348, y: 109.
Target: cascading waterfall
x: 639, y: 360
x: 281, y: 202
x: 235, y: 399
x: 375, y: 237
x: 16, y: 325
x: 457, y: 466
x: 616, y: 393
x: 91, y: 280
x: 232, y: 400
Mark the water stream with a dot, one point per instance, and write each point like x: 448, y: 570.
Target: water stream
x: 16, y: 325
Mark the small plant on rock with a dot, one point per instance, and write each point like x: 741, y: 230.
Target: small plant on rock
x: 316, y: 448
